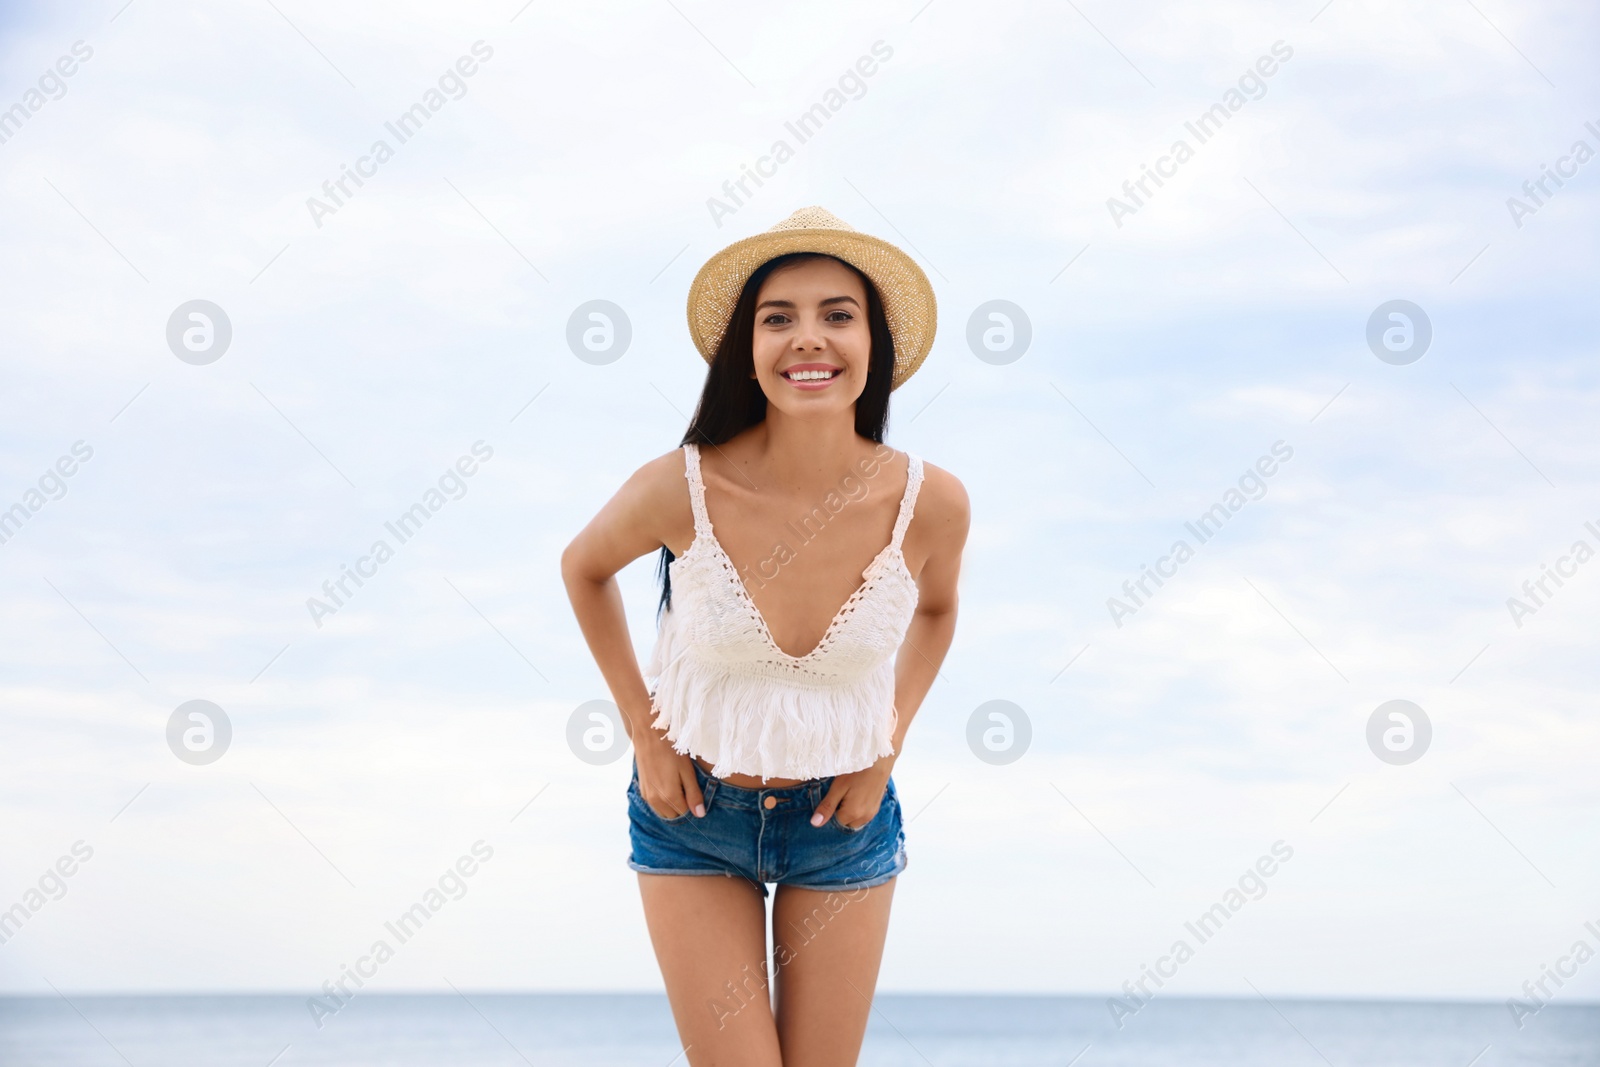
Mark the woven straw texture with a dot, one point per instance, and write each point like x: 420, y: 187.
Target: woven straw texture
x: 908, y: 300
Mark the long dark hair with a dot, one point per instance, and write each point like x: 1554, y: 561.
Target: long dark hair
x: 732, y: 401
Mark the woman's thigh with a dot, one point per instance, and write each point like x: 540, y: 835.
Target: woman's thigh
x: 710, y: 938
x: 826, y: 948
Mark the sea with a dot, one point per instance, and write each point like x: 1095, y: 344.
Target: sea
x: 464, y: 1028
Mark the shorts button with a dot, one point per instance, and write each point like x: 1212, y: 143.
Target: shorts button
x: 770, y: 802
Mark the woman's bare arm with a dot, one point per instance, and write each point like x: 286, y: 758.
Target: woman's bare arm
x: 650, y: 510
x: 946, y: 515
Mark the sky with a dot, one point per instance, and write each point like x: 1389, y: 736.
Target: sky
x: 1178, y: 336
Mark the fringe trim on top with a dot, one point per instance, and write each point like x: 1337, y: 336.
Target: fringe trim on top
x: 751, y: 724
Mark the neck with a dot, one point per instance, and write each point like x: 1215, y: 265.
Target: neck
x: 805, y: 453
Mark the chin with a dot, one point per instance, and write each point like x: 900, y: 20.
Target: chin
x: 808, y: 407
x: 802, y: 405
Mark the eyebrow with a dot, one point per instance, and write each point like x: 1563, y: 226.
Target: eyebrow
x: 790, y: 303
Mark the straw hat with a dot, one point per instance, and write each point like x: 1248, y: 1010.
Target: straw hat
x: 908, y: 301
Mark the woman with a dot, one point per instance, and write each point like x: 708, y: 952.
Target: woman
x: 763, y: 748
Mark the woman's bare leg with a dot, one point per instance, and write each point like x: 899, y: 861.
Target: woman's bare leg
x: 827, y: 948
x: 710, y: 937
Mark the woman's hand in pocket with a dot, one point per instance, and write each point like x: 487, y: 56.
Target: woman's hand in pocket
x: 855, y: 798
x: 667, y: 780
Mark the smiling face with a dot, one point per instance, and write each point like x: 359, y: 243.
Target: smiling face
x: 811, y: 345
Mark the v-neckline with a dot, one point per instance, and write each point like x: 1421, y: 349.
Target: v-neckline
x: 833, y: 624
x: 838, y: 616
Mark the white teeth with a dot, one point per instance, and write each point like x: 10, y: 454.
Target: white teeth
x: 809, y: 375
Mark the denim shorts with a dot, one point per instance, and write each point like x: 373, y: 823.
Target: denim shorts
x: 765, y: 835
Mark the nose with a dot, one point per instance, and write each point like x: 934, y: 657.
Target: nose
x: 808, y: 337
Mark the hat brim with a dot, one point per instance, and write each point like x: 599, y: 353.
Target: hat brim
x: 909, y: 305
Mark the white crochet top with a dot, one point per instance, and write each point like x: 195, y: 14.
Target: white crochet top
x: 724, y: 691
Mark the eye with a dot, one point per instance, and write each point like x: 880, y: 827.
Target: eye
x: 840, y: 311
x: 768, y: 321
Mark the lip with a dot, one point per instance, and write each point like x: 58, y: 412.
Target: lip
x: 815, y: 385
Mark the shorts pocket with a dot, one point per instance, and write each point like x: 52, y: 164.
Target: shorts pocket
x: 637, y: 799
x: 836, y: 824
x: 665, y: 819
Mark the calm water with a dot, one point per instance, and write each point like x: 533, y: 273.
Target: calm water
x: 608, y: 1030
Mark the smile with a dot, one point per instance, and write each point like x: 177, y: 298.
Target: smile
x: 811, y: 375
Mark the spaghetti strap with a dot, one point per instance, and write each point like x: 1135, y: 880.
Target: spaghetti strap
x: 908, y: 503
x: 697, y: 490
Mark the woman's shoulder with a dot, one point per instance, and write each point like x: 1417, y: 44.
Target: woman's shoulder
x: 664, y: 473
x: 657, y: 487
x: 942, y: 502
